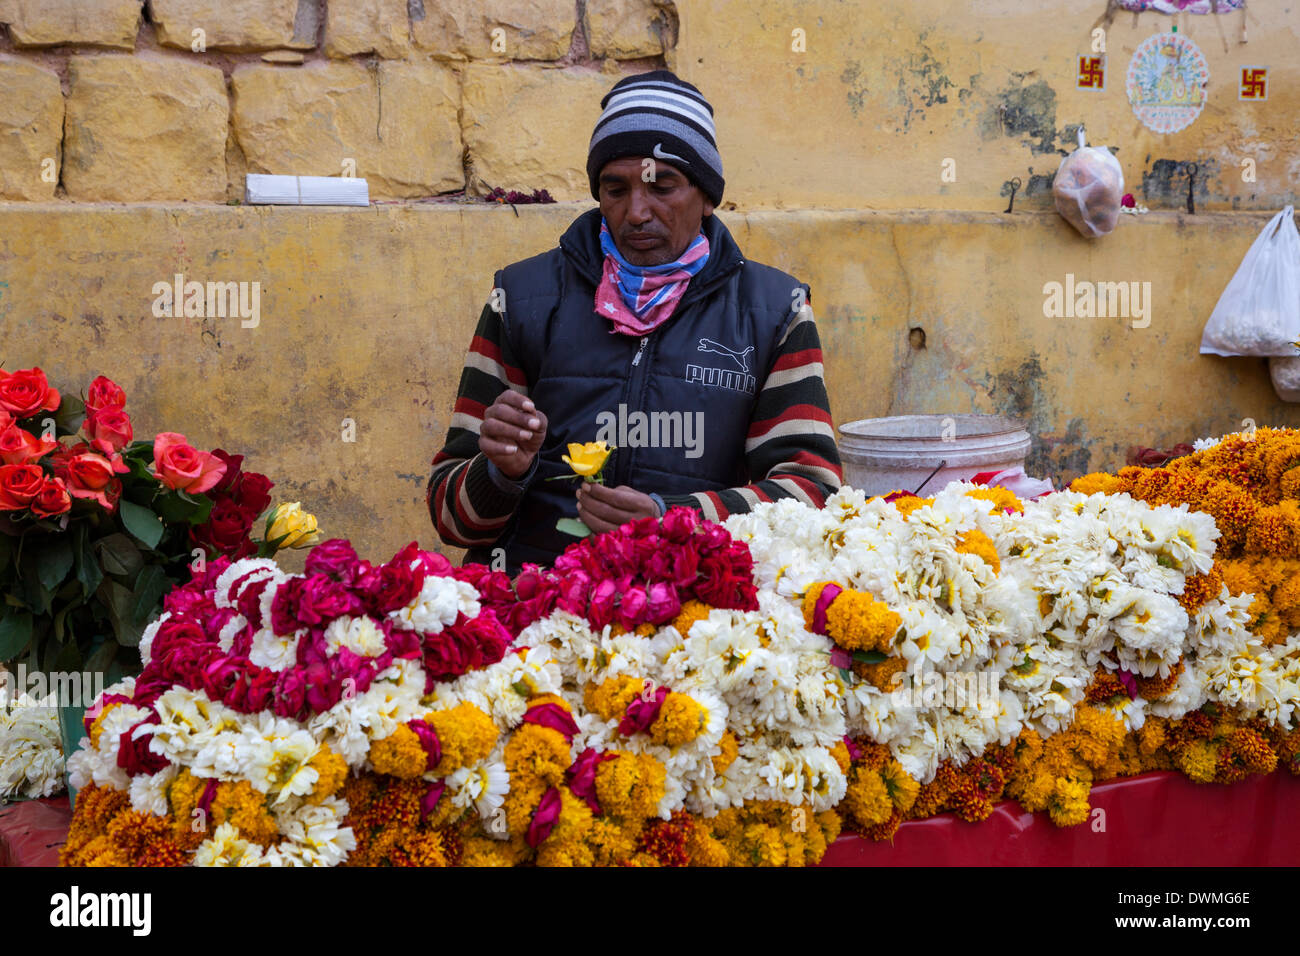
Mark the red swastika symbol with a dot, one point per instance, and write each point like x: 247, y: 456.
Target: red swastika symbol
x: 1254, y: 83
x: 1092, y: 75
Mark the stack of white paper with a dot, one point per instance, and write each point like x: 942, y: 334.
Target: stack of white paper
x: 305, y: 190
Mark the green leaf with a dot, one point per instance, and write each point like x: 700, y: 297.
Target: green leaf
x: 15, y: 633
x: 54, y: 561
x: 88, y: 572
x: 119, y: 555
x: 573, y: 527
x: 870, y: 657
x: 120, y: 603
x: 69, y: 415
x: 177, y: 507
x: 847, y: 675
x: 101, y: 657
x: 6, y: 551
x: 149, y: 589
x: 141, y: 522
x: 38, y: 595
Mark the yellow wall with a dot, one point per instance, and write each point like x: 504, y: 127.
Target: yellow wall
x: 366, y: 314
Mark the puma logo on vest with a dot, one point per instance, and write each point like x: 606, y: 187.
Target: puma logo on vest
x: 708, y: 345
x: 740, y: 381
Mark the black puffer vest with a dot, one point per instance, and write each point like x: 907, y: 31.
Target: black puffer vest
x: 647, y: 395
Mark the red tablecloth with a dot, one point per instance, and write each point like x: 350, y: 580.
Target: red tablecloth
x: 1157, y: 819
x: 32, y: 832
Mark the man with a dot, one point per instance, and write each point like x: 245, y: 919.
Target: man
x: 645, y: 326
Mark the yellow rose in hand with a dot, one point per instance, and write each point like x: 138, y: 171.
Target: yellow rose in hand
x: 588, y: 459
x: 288, y: 526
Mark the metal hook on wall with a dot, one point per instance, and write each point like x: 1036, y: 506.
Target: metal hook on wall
x: 1192, y: 170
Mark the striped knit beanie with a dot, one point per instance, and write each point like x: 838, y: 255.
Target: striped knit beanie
x: 657, y: 115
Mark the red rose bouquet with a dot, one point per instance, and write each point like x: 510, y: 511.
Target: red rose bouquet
x: 95, y: 526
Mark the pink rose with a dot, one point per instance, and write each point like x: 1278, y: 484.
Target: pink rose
x: 662, y: 603
x: 184, y: 468
x: 335, y: 557
x: 679, y: 524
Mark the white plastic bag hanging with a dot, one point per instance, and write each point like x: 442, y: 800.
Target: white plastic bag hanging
x: 1259, y: 311
x: 1088, y: 188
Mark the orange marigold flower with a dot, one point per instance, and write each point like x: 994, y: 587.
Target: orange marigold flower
x: 1002, y: 497
x: 1200, y: 589
x: 1156, y: 687
x: 466, y: 735
x: 399, y: 754
x: 691, y: 612
x: 1100, y: 482
x: 731, y: 750
x: 976, y: 542
x: 680, y: 720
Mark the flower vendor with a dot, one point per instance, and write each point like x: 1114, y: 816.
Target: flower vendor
x: 647, y: 328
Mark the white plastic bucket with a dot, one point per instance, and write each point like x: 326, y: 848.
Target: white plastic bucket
x: 881, y: 455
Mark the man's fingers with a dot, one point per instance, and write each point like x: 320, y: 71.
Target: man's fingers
x: 521, y: 402
x: 496, y: 450
x: 503, y: 432
x: 602, y: 510
x: 518, y: 420
x: 622, y: 497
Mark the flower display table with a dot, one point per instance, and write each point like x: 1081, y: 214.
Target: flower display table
x: 31, y: 832
x: 1155, y: 819
x: 1147, y: 818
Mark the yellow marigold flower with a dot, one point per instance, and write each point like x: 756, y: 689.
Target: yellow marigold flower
x: 976, y: 542
x: 1198, y: 759
x: 610, y: 698
x: 1096, y: 734
x: 537, y: 753
x: 882, y: 675
x: 906, y: 506
x: 521, y: 802
x: 855, y: 620
x: 612, y: 841
x: 764, y: 845
x: 466, y: 735
x: 1000, y: 496
x: 731, y: 750
x: 399, y: 754
x: 867, y: 800
x: 332, y: 771
x: 840, y: 752
x: 902, y: 788
x: 240, y: 805
x: 1068, y: 804
x: 566, y: 845
x: 1100, y: 482
x: 630, y: 786
x: 587, y: 459
x: 704, y: 850
x: 1153, y: 735
x: 680, y: 721
x: 691, y: 612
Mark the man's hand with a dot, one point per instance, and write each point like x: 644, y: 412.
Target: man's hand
x: 512, y: 433
x: 604, y: 509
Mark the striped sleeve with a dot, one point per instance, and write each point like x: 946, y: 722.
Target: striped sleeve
x: 790, y: 448
x: 467, y: 505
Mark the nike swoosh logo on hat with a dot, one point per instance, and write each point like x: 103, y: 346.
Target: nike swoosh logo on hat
x: 659, y: 153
